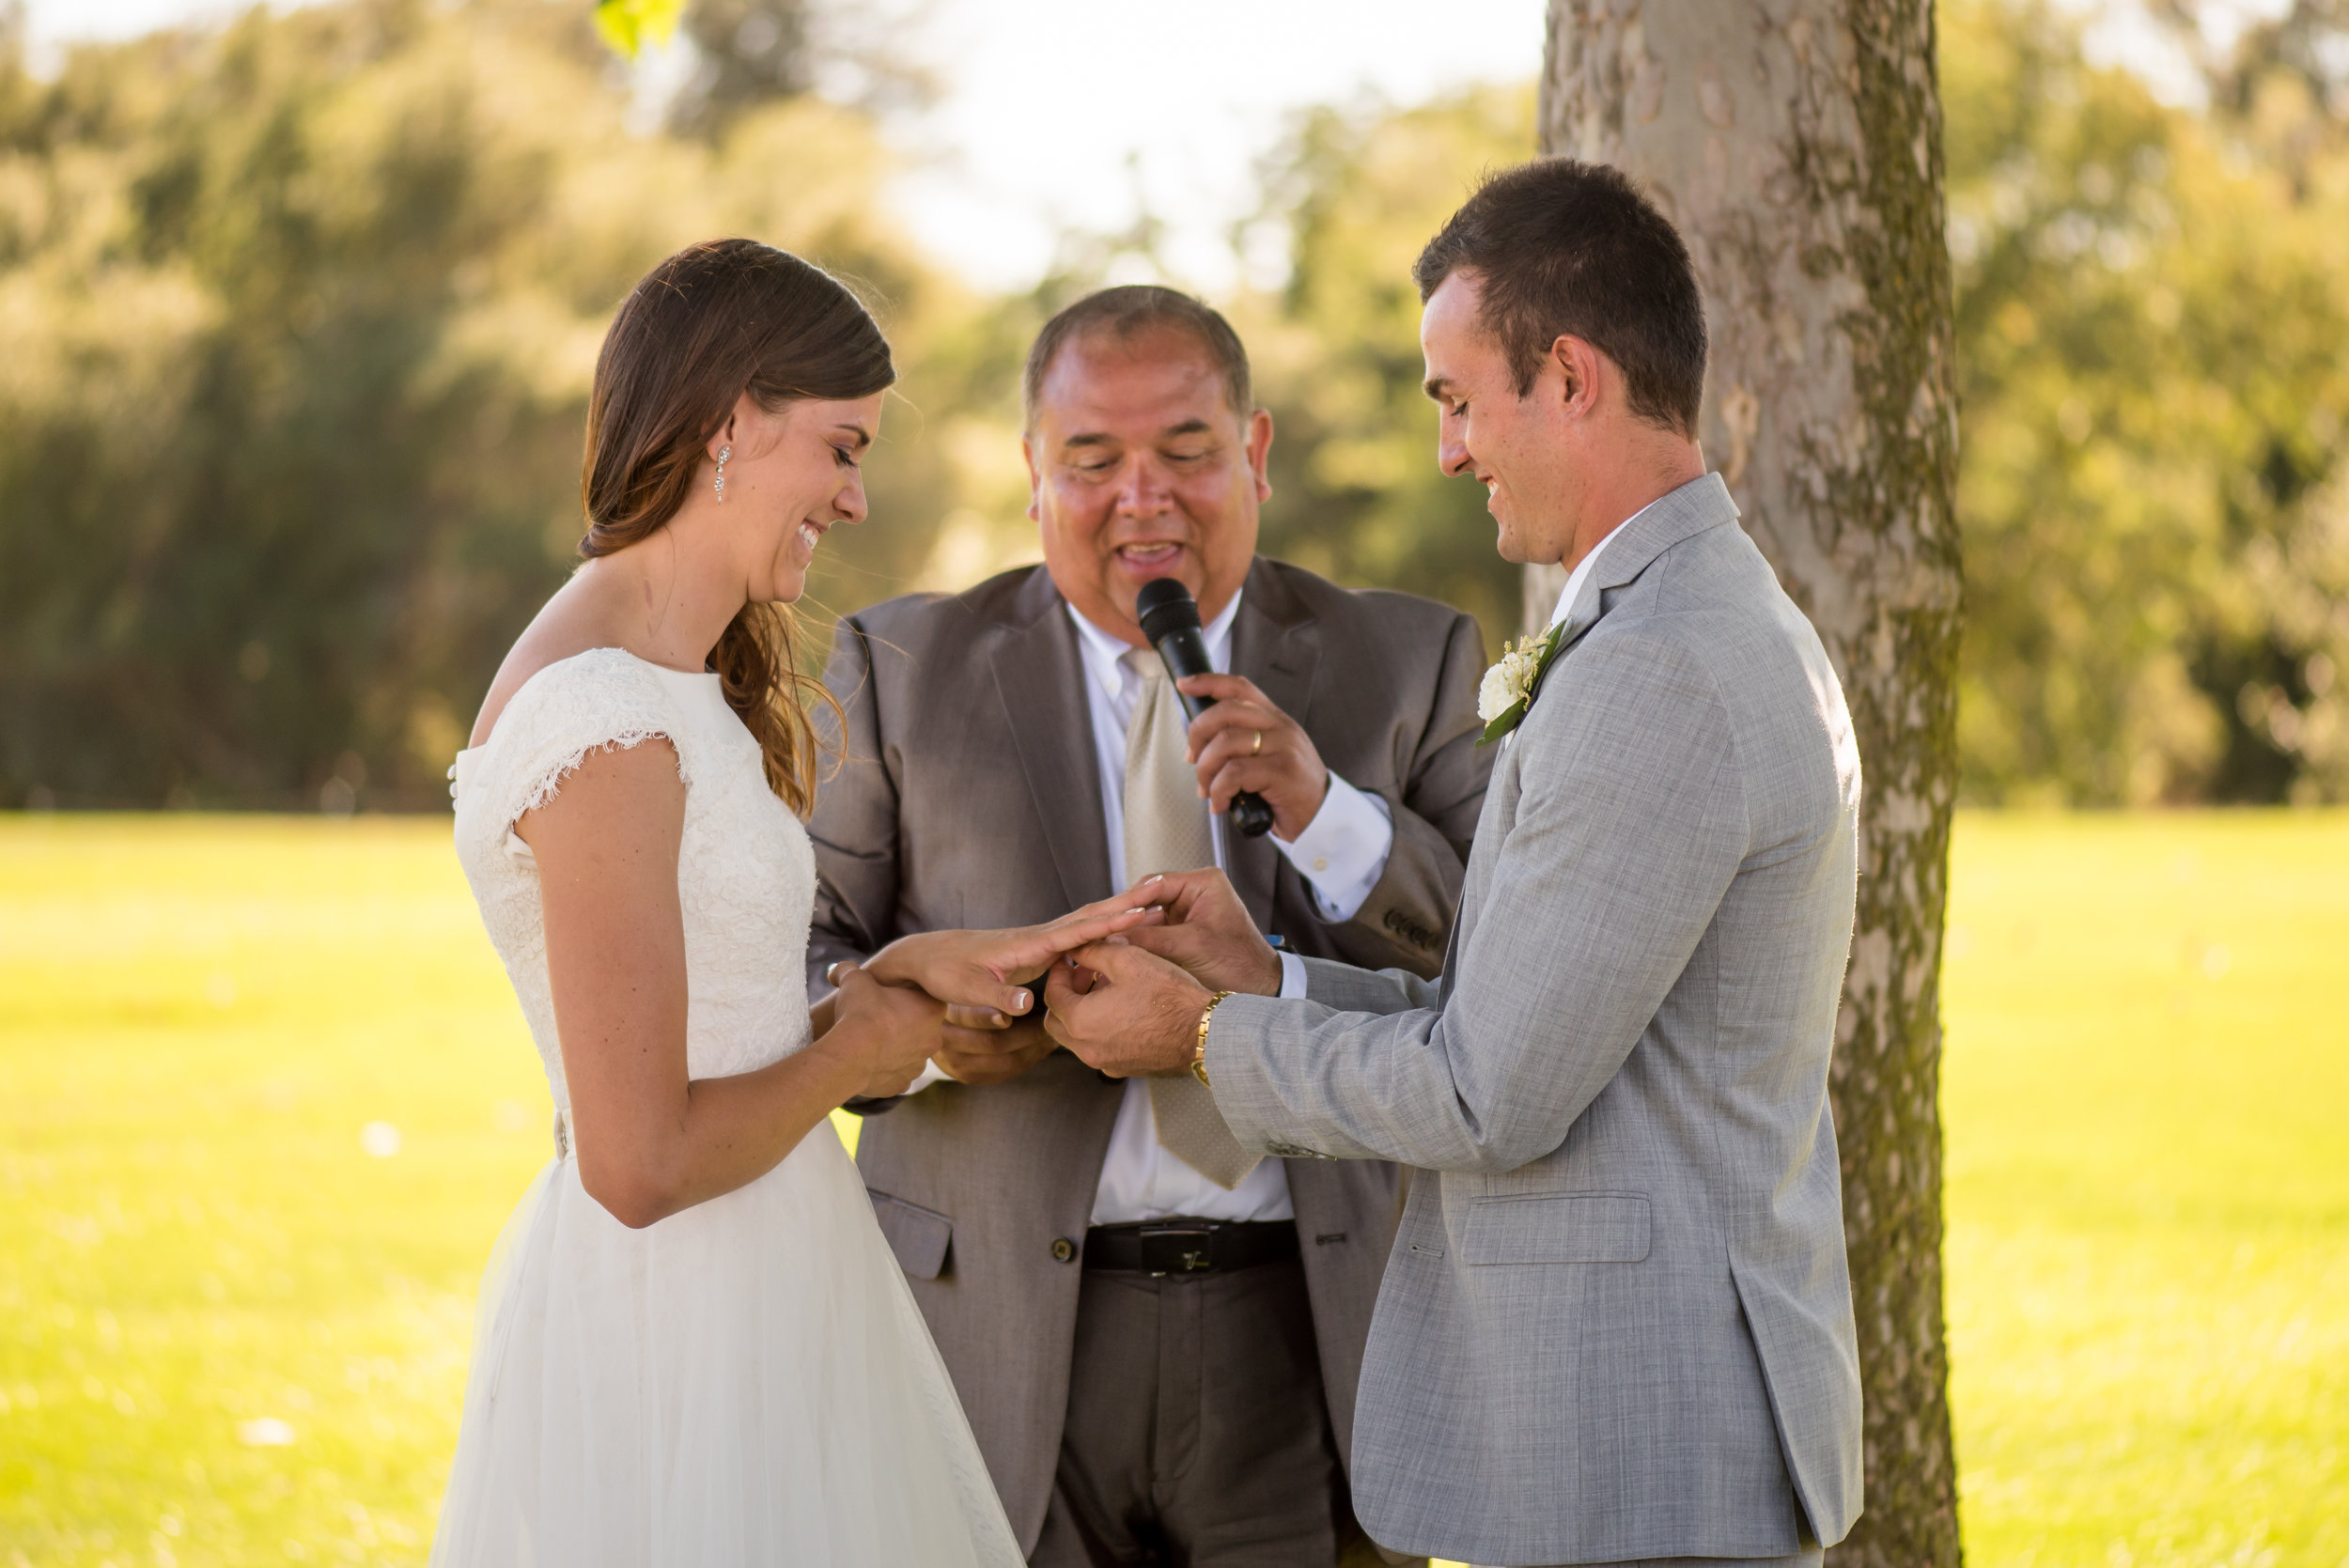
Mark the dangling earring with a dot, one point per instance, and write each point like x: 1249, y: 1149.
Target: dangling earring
x: 724, y: 453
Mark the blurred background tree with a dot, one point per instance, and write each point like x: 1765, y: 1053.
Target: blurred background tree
x: 297, y: 316
x: 2154, y: 366
x: 1356, y: 492
x: 300, y: 317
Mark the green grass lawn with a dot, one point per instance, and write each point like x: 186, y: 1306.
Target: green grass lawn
x: 265, y: 1100
x: 2146, y: 1096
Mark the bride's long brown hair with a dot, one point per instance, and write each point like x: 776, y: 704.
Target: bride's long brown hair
x: 715, y: 321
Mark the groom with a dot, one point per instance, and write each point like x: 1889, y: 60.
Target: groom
x: 1616, y: 1325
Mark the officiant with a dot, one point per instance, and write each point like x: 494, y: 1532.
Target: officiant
x: 1157, y: 1336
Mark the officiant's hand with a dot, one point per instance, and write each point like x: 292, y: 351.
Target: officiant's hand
x: 1245, y: 742
x: 1207, y: 931
x: 1129, y: 1013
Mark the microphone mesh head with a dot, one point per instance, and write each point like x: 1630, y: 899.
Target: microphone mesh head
x: 1163, y: 607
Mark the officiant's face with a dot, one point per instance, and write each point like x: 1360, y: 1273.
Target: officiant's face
x: 1140, y: 468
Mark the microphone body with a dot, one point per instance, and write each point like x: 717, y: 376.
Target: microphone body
x: 1170, y: 618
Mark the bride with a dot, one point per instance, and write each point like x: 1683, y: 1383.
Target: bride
x: 694, y: 1348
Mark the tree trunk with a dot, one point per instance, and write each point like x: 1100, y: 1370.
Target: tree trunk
x: 1797, y: 145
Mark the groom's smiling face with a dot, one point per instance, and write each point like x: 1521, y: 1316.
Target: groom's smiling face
x: 1520, y: 445
x: 1140, y: 468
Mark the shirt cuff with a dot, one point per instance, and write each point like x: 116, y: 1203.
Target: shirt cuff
x: 1291, y: 977
x: 1343, y: 851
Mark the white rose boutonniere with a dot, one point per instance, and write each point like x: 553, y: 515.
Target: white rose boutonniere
x: 1507, y: 689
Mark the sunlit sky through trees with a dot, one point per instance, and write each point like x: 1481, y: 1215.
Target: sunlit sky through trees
x: 1085, y: 114
x: 1055, y: 115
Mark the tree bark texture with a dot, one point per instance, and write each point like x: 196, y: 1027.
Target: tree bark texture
x: 1797, y: 146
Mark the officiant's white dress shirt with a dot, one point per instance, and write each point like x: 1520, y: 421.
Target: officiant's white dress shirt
x: 1341, y: 855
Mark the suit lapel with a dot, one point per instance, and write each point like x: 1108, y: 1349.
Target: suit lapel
x: 1039, y: 681
x: 1590, y: 603
x: 1701, y: 504
x: 1276, y: 644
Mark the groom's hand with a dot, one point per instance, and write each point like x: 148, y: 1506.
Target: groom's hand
x: 1138, y: 1017
x: 1208, y: 933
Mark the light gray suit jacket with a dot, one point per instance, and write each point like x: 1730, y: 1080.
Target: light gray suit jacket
x: 970, y: 798
x: 1618, y: 1324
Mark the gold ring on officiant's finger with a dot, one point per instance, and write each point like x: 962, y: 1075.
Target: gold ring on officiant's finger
x: 1258, y: 745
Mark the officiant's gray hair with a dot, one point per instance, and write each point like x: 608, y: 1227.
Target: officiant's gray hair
x: 1124, y: 313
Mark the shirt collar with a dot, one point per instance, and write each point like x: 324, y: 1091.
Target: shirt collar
x: 1104, y: 655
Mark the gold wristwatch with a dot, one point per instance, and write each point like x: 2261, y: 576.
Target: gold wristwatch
x: 1198, y: 1051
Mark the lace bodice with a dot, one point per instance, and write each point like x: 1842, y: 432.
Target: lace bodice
x: 746, y: 876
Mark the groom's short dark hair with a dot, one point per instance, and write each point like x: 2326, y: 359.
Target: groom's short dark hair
x: 1564, y: 248
x: 1126, y: 311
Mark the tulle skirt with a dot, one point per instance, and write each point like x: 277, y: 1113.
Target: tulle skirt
x: 748, y: 1382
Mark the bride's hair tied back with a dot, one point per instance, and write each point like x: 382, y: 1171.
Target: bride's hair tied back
x: 713, y: 321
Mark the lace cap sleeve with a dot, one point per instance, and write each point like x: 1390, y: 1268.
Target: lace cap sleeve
x: 593, y: 700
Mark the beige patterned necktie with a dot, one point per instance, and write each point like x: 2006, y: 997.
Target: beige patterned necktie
x: 1166, y: 830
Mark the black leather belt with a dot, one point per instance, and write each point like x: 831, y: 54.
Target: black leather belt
x: 1160, y: 1246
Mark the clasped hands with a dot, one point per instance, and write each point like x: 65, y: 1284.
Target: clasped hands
x: 1125, y: 980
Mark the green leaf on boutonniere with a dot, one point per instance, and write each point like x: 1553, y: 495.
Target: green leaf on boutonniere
x: 1502, y: 724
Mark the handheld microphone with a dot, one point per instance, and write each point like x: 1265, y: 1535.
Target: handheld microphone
x: 1170, y: 618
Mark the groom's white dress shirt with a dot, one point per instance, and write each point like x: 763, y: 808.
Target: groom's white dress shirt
x: 1341, y: 855
x: 1582, y: 569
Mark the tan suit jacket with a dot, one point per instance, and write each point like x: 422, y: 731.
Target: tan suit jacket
x: 970, y: 798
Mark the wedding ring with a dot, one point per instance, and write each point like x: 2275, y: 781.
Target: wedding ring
x: 1258, y: 745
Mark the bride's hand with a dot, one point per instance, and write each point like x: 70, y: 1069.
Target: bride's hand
x: 886, y: 1031
x: 976, y: 970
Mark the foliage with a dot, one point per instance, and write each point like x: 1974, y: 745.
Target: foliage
x: 1355, y: 491
x: 632, y: 26
x: 299, y: 318
x: 2152, y: 333
x: 748, y: 53
x: 2154, y: 350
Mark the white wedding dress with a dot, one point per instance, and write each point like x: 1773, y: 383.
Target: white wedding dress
x: 748, y: 1382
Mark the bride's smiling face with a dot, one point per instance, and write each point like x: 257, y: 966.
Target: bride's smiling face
x: 793, y: 473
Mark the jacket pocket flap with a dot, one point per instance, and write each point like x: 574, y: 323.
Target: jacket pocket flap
x: 1566, y: 1227
x: 919, y: 1236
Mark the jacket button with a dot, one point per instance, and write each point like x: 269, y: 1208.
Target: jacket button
x: 1062, y: 1248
